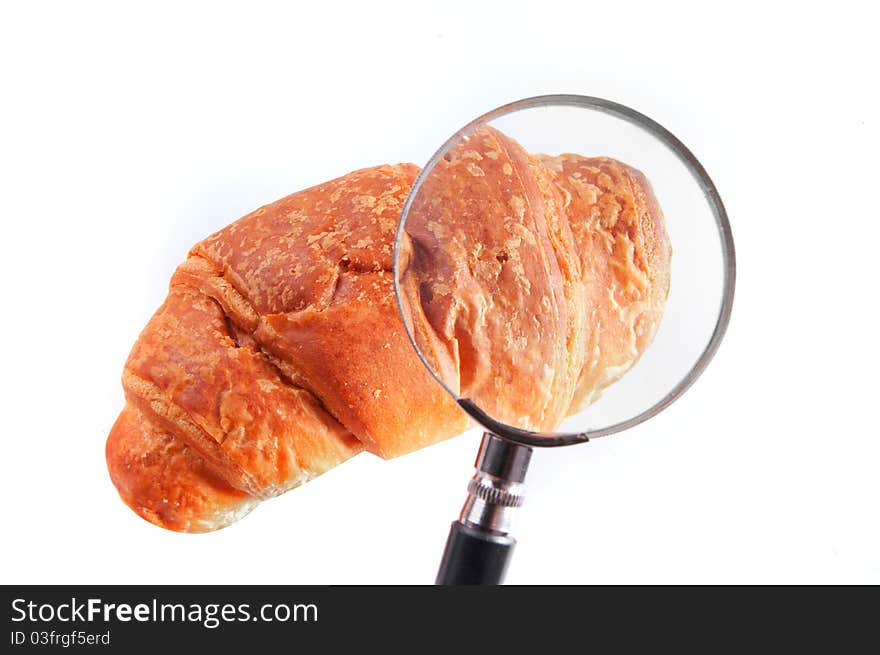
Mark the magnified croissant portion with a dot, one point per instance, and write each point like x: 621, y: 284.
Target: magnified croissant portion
x: 279, y: 351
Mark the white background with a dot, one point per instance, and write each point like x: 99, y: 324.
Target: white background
x: 127, y: 134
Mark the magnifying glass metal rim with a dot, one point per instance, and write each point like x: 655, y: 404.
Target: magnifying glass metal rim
x: 550, y: 439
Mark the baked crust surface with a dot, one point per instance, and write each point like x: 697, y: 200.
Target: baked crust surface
x: 279, y: 352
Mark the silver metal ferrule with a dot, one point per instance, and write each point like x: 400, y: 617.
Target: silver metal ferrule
x: 497, y: 488
x: 491, y: 502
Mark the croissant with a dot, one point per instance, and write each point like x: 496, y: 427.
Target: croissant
x: 279, y: 352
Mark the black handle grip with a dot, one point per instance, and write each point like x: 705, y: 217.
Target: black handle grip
x: 474, y: 556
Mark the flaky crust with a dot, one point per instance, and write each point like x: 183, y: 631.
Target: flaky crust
x: 625, y: 255
x: 492, y: 260
x: 270, y: 361
x: 279, y: 352
x: 545, y: 276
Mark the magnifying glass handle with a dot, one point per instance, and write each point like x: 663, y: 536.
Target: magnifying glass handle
x: 479, y: 545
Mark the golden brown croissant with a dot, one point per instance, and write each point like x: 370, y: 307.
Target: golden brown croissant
x: 279, y: 352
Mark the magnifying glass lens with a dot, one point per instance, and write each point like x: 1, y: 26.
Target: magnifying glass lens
x: 535, y: 268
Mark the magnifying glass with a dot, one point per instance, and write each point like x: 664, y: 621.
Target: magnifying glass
x: 565, y: 269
